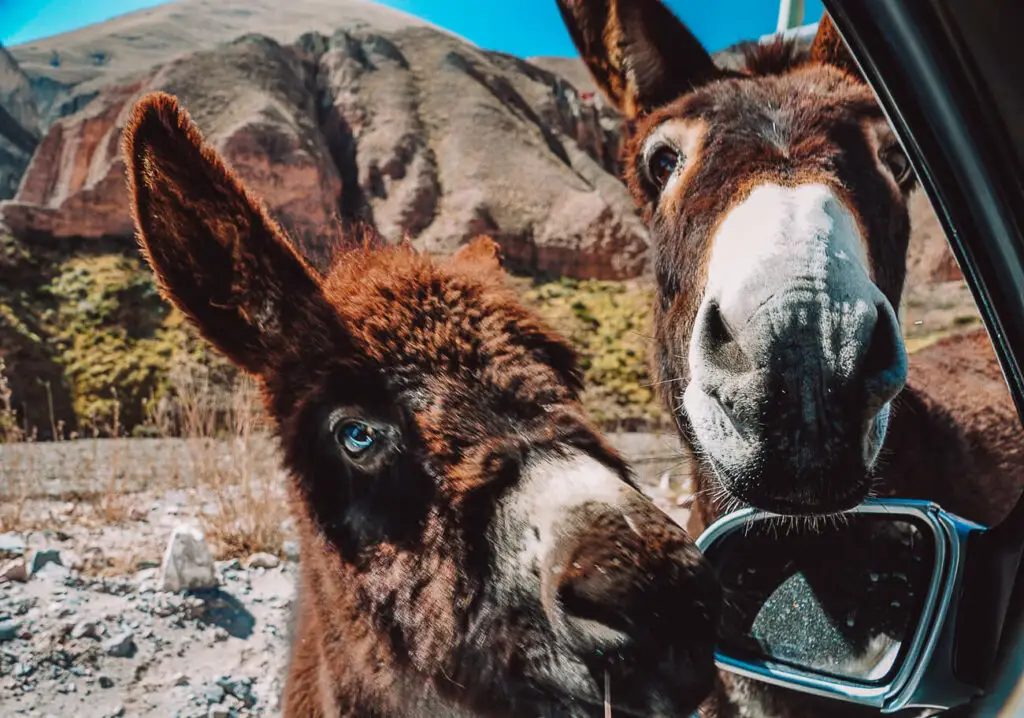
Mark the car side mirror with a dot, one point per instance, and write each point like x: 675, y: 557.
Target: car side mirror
x: 859, y: 607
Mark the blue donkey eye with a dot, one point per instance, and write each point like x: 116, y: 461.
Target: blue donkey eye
x: 356, y: 437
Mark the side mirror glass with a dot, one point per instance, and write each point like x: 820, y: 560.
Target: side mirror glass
x: 858, y: 607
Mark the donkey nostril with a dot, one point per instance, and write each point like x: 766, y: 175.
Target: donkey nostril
x: 718, y: 344
x: 588, y: 605
x: 885, y: 365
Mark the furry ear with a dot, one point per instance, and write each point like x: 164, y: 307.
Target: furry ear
x: 480, y: 252
x: 215, y: 251
x: 829, y: 48
x: 638, y: 52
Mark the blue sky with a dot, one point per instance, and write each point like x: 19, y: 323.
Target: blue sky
x: 521, y: 27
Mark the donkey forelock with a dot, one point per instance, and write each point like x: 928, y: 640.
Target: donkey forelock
x: 471, y: 545
x: 777, y: 198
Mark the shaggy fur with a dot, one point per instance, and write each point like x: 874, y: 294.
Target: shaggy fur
x: 490, y: 554
x: 953, y: 436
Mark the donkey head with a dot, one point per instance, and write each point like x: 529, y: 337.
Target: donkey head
x: 777, y: 199
x: 468, y: 537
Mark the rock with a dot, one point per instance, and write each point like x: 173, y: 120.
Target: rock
x: 377, y: 121
x: 85, y: 629
x: 137, y: 513
x: 262, y: 560
x: 9, y: 630
x: 42, y: 557
x: 148, y: 574
x: 929, y: 258
x: 214, y: 693
x: 187, y: 563
x: 19, y: 124
x: 14, y: 570
x: 179, y: 679
x: 290, y: 549
x: 106, y: 682
x: 218, y: 711
x: 11, y: 542
x: 240, y: 688
x: 120, y: 646
x: 118, y: 712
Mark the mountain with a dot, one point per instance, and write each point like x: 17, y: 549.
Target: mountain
x: 20, y: 124
x: 337, y: 110
x: 334, y: 111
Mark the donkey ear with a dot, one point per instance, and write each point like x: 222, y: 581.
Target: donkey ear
x: 829, y: 48
x: 639, y: 53
x: 216, y: 253
x: 480, y: 252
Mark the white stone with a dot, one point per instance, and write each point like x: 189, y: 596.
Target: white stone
x: 187, y: 563
x: 262, y: 560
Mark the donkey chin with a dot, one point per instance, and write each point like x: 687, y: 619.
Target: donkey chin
x: 795, y: 357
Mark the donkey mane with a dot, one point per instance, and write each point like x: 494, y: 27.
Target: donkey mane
x: 774, y: 57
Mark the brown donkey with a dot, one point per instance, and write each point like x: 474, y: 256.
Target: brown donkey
x: 777, y: 199
x: 471, y: 545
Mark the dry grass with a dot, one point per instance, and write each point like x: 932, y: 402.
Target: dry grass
x: 230, y: 468
x: 234, y: 461
x: 14, y: 490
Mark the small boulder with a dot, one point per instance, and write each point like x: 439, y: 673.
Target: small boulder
x: 120, y: 646
x: 218, y: 711
x: 9, y: 630
x: 262, y: 560
x: 214, y: 693
x: 85, y: 629
x: 106, y: 682
x: 240, y: 688
x: 14, y: 570
x: 187, y: 563
x: 11, y: 542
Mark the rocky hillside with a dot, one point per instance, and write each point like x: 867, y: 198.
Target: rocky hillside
x: 343, y: 110
x: 333, y: 111
x: 20, y: 124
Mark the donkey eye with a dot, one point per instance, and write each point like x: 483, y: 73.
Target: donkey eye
x: 897, y: 163
x: 355, y: 437
x: 661, y: 163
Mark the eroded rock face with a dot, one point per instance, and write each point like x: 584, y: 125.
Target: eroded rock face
x: 19, y: 124
x: 412, y: 129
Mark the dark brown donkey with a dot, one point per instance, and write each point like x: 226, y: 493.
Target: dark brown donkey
x: 471, y: 545
x: 777, y: 198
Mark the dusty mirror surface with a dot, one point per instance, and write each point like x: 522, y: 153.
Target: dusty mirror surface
x: 843, y: 601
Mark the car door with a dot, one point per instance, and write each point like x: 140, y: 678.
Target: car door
x: 950, y: 76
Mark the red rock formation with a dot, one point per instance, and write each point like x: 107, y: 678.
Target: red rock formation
x: 413, y: 129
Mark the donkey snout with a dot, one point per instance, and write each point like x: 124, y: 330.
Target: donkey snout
x: 790, y: 402
x: 633, y: 586
x: 884, y: 366
x: 791, y: 344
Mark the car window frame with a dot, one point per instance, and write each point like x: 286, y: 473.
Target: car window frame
x: 932, y: 93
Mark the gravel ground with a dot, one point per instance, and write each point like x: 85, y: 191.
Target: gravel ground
x: 90, y: 633
x: 119, y: 647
